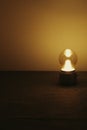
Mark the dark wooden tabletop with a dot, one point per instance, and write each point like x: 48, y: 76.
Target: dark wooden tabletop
x: 35, y: 100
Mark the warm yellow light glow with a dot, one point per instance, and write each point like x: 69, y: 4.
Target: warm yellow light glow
x: 67, y: 52
x: 67, y: 66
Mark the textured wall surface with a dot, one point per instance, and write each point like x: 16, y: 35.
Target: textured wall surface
x: 34, y: 32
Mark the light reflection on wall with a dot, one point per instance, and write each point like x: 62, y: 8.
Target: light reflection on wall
x: 33, y: 33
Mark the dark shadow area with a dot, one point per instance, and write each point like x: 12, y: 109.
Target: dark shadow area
x: 36, y: 100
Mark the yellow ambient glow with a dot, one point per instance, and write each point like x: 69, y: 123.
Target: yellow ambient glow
x: 67, y: 52
x: 68, y: 66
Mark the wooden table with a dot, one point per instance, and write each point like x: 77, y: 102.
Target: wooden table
x: 35, y: 100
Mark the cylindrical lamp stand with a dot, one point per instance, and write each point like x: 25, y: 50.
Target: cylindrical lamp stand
x: 67, y: 78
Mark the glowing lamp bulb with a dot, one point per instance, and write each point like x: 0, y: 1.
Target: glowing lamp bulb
x: 68, y: 60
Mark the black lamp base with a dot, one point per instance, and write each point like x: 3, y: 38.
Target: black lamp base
x: 67, y: 78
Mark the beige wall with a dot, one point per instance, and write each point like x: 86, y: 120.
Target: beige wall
x: 34, y: 32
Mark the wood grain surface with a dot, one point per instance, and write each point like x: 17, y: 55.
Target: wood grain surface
x: 34, y: 100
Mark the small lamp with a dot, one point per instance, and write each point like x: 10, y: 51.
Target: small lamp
x: 67, y: 73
